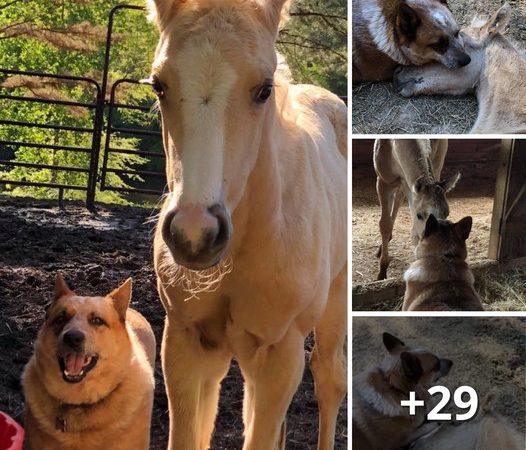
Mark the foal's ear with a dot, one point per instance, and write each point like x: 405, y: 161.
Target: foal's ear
x: 161, y: 11
x: 499, y: 21
x: 276, y: 11
x: 450, y: 183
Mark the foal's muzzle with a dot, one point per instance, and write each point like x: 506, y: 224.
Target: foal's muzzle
x: 196, y: 236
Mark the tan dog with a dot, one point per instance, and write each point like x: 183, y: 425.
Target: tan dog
x: 487, y: 431
x: 387, y: 33
x: 89, y: 384
x: 379, y: 421
x: 440, y: 278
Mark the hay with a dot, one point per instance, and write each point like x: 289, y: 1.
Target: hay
x: 377, y: 108
x: 498, y: 290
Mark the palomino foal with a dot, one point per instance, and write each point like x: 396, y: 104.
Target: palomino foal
x: 497, y: 73
x: 257, y: 193
x: 411, y: 167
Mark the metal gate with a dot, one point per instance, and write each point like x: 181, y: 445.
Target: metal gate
x: 103, y: 121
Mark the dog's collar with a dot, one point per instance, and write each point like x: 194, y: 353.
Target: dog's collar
x: 64, y: 408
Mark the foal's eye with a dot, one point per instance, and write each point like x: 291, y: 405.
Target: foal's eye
x: 96, y: 321
x: 263, y: 93
x: 157, y: 87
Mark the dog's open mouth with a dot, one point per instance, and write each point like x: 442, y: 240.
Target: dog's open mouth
x: 75, y: 366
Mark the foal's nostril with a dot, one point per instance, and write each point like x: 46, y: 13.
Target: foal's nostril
x: 74, y: 339
x: 223, y: 232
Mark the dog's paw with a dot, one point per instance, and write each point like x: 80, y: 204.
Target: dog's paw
x: 405, y: 82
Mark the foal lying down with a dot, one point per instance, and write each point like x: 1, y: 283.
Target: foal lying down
x: 497, y: 74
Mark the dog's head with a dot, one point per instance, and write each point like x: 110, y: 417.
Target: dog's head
x: 84, y: 344
x: 444, y: 238
x: 407, y: 367
x: 427, y: 31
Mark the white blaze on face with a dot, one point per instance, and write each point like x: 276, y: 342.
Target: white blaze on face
x: 206, y: 82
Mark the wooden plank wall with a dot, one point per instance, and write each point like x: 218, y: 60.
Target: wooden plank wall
x: 475, y: 158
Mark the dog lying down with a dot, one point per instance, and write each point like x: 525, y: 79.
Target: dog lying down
x: 89, y: 384
x: 487, y: 431
x: 379, y: 421
x: 440, y: 279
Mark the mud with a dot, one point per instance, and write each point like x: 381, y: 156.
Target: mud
x: 95, y: 254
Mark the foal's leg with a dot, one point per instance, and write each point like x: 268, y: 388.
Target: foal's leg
x: 272, y: 374
x: 328, y: 360
x: 192, y: 376
x: 386, y: 195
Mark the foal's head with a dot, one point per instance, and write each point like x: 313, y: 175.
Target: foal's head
x: 429, y: 198
x: 213, y: 73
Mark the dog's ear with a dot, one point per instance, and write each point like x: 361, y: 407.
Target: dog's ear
x: 411, y: 365
x: 121, y: 298
x: 463, y: 227
x: 408, y: 20
x: 431, y: 225
x: 61, y: 288
x: 392, y: 343
x: 451, y: 182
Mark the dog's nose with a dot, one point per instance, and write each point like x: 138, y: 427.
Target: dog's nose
x: 464, y: 60
x: 74, y: 339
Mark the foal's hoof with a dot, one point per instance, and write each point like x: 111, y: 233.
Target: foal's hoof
x: 404, y: 83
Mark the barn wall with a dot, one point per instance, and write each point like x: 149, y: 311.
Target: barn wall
x: 472, y: 157
x: 508, y: 231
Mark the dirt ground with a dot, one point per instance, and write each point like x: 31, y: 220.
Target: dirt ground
x: 377, y: 108
x: 468, y: 198
x: 96, y: 253
x: 487, y: 353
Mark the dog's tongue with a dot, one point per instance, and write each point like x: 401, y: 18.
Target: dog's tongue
x: 74, y: 363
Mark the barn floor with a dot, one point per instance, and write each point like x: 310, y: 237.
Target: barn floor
x: 95, y: 254
x: 487, y: 353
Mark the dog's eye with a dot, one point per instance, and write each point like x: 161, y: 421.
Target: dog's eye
x: 263, y: 92
x: 420, y: 216
x: 441, y: 45
x: 60, y: 320
x: 97, y: 321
